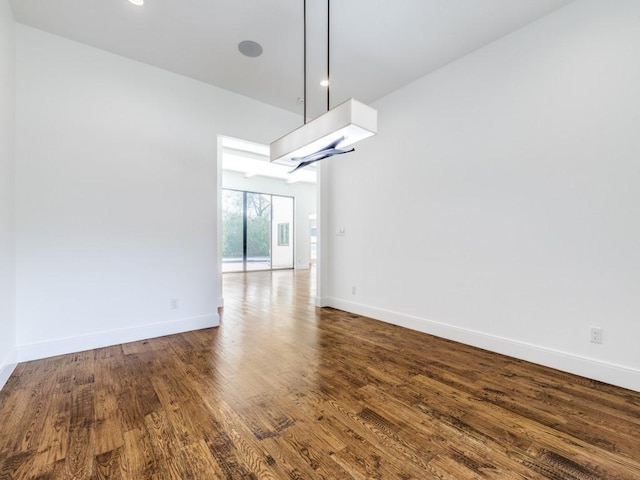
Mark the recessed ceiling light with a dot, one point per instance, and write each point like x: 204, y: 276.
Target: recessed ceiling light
x: 138, y: 3
x: 324, y: 83
x: 249, y: 48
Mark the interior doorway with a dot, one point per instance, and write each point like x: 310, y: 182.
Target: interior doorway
x: 244, y: 166
x: 273, y: 226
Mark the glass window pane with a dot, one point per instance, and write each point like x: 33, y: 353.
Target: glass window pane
x: 232, y: 236
x: 258, y: 231
x: 283, y: 235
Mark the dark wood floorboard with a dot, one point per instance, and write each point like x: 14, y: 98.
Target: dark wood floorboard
x: 283, y: 390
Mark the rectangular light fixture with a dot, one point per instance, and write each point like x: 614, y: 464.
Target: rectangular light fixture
x: 352, y: 120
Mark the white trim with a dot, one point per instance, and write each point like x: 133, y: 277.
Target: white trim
x: 6, y: 368
x: 324, y: 302
x: 61, y: 346
x: 597, y: 370
x: 221, y: 302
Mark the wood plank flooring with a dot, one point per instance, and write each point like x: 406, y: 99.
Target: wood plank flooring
x: 286, y: 391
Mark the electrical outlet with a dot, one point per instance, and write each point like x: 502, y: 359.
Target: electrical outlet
x: 174, y: 304
x: 596, y: 335
x: 353, y: 290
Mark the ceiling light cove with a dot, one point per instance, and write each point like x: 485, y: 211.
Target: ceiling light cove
x: 137, y: 3
x: 249, y: 48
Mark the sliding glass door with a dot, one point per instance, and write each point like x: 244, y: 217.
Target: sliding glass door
x: 257, y: 231
x: 232, y: 231
x: 258, y: 216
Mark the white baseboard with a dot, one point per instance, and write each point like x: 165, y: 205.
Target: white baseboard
x: 586, y: 367
x: 324, y: 302
x: 61, y: 346
x: 221, y: 302
x: 6, y: 368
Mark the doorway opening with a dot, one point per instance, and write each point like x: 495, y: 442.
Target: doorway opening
x: 264, y: 210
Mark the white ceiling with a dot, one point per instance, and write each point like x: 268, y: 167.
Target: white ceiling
x: 377, y: 46
x: 251, y: 159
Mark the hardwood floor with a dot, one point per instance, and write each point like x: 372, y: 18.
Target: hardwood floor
x: 286, y: 391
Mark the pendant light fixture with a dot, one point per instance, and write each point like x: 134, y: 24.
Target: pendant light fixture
x: 332, y: 133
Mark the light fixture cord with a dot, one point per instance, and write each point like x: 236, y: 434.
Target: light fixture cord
x: 304, y: 93
x: 328, y: 56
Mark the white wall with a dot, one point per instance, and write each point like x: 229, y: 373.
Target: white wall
x: 305, y: 205
x: 282, y: 213
x: 499, y: 204
x: 7, y: 230
x: 116, y: 195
